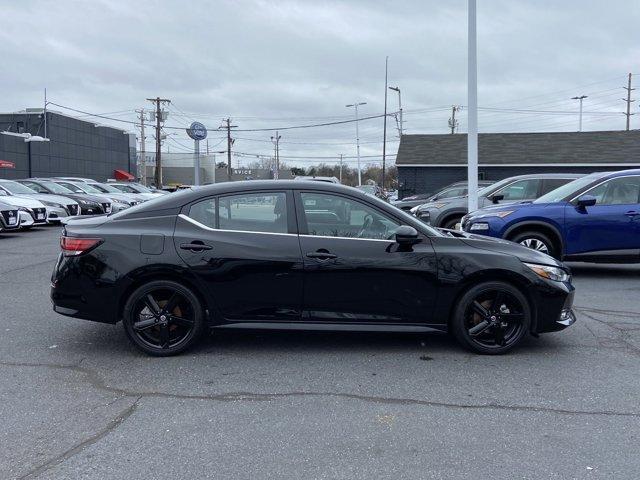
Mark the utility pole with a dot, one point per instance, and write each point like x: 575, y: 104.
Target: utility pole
x: 453, y: 123
x: 629, y: 101
x: 142, y: 166
x: 355, y: 105
x: 400, y: 123
x: 276, y: 143
x: 230, y: 141
x: 159, y: 119
x: 581, y: 98
x: 384, y: 134
x: 340, y: 168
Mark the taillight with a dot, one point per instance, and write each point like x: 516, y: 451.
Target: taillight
x: 73, y: 246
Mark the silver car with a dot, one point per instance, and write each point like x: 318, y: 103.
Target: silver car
x: 57, y: 206
x: 448, y: 212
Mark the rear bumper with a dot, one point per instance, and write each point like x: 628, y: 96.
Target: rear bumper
x: 78, y: 290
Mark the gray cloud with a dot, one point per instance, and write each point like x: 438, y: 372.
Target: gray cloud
x: 275, y: 63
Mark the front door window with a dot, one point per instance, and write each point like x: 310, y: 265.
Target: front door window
x: 336, y: 216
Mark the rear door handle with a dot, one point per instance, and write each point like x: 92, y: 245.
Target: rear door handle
x: 195, y: 246
x: 632, y: 213
x: 321, y: 255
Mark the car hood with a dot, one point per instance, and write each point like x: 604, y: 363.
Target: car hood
x: 118, y: 197
x: 91, y: 197
x: 448, y: 202
x: 507, y: 247
x: 20, y: 201
x: 494, y: 209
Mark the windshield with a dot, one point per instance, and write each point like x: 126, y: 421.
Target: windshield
x: 486, y: 191
x: 90, y: 188
x: 17, y: 188
x: 55, y: 187
x: 125, y: 189
x: 105, y: 188
x: 138, y: 188
x: 567, y: 189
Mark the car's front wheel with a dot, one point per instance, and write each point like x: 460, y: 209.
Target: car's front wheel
x: 163, y: 318
x: 536, y: 241
x: 491, y: 318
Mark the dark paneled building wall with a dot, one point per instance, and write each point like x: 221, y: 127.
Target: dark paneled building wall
x: 76, y: 148
x: 414, y: 180
x: 427, y: 163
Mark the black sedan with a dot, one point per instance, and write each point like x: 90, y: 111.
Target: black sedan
x: 300, y: 255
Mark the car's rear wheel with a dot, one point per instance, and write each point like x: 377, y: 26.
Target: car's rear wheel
x: 163, y: 318
x: 536, y: 241
x: 491, y: 318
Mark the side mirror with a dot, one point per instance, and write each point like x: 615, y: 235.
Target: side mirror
x: 497, y: 198
x: 406, y: 235
x: 586, y: 201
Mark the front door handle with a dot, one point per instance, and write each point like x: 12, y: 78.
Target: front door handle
x: 195, y: 246
x: 321, y: 255
x: 632, y: 213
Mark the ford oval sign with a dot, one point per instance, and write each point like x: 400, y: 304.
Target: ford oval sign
x: 197, y: 131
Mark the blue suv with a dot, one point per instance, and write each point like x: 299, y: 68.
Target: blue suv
x: 593, y: 219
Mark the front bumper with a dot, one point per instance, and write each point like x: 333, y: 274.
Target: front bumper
x: 554, y: 306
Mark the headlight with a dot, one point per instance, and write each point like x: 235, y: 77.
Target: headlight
x: 52, y: 204
x: 479, y: 226
x: 552, y: 273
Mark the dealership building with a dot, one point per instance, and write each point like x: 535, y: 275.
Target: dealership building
x: 427, y: 163
x: 75, y: 147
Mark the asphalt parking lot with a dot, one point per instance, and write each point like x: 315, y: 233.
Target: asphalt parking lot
x: 77, y: 401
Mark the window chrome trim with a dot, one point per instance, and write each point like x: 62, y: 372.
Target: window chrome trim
x: 348, y: 238
x: 586, y: 192
x: 206, y: 227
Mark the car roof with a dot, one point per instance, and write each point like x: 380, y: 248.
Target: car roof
x: 188, y: 195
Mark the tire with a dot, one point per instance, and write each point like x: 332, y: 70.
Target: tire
x: 451, y: 222
x: 491, y: 318
x: 536, y: 241
x: 163, y: 318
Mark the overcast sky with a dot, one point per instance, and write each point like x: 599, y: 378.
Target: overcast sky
x: 275, y: 63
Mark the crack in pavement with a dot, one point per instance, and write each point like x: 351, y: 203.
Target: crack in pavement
x: 609, y: 313
x: 80, y: 446
x: 93, y: 379
x: 11, y: 270
x: 622, y: 333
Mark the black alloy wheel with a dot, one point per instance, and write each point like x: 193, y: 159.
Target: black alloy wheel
x: 491, y: 318
x: 163, y: 318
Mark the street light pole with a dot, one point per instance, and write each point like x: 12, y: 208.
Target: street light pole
x: 581, y: 98
x: 397, y: 89
x: 472, y: 93
x: 355, y: 105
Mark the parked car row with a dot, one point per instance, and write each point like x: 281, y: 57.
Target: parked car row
x: 593, y: 218
x: 31, y: 202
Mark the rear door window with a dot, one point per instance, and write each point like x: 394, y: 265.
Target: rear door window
x: 520, y: 190
x: 257, y: 212
x: 550, y: 184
